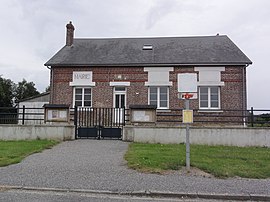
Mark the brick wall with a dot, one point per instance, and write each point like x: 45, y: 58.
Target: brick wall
x: 137, y: 93
x: 233, y: 94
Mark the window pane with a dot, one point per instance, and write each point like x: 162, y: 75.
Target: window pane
x: 78, y: 91
x: 87, y: 103
x: 78, y: 97
x: 87, y: 97
x: 204, y: 104
x: 204, y: 97
x: 163, y: 103
x: 78, y: 103
x: 163, y: 90
x: 153, y: 90
x: 214, y: 97
x: 153, y: 95
x: 214, y: 90
x: 153, y: 102
x: 87, y: 91
x: 214, y: 104
x: 122, y: 101
x: 119, y: 88
x: 204, y: 90
x: 117, y: 101
x: 163, y: 97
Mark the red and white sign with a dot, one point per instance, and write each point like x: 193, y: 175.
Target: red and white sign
x: 190, y: 96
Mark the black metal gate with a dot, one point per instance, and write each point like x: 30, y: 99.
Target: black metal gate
x: 99, y: 122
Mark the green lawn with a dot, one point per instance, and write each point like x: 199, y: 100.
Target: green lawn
x: 220, y: 161
x: 14, y: 151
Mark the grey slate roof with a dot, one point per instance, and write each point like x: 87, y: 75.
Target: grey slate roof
x: 43, y: 97
x: 203, y: 50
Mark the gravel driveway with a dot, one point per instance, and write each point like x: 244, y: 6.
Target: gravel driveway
x: 99, y: 165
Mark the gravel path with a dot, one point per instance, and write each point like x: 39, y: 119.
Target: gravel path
x: 99, y: 165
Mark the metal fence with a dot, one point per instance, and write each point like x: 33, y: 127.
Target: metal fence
x: 251, y: 117
x: 8, y: 115
x: 23, y: 115
x: 106, y: 117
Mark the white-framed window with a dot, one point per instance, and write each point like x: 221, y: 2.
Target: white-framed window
x: 209, y: 97
x: 159, y: 96
x: 82, y: 97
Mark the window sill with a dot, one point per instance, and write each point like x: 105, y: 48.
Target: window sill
x: 210, y: 110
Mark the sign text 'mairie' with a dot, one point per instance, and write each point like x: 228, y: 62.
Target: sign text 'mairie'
x: 81, y: 76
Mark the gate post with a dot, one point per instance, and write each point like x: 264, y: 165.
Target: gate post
x: 124, y: 117
x: 75, y: 121
x: 252, y: 117
x: 23, y: 115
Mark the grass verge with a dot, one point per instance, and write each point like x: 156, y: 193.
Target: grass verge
x: 220, y: 161
x: 14, y: 151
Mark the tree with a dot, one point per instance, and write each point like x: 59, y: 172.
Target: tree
x: 48, y: 89
x: 24, y: 90
x: 6, y: 92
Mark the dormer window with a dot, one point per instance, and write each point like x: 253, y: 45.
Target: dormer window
x: 147, y: 47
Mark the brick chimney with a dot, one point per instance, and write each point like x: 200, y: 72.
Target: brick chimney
x: 70, y: 34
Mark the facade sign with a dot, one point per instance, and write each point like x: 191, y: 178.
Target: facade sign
x: 141, y: 116
x: 187, y: 82
x: 57, y: 115
x: 187, y: 116
x: 83, y: 78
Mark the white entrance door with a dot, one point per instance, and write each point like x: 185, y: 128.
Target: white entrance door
x: 119, y: 103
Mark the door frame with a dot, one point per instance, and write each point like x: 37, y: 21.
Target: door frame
x: 119, y: 93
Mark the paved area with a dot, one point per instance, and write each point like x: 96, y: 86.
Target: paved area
x: 99, y: 165
x: 11, y: 196
x: 37, y: 196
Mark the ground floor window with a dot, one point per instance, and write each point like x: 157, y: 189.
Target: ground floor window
x: 209, y: 97
x: 82, y: 97
x: 159, y: 96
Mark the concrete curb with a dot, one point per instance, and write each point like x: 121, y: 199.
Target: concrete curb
x: 146, y: 193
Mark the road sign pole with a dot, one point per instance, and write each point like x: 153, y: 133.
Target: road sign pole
x: 187, y: 139
x: 187, y: 87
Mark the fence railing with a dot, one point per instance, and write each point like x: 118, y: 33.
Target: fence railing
x: 8, y: 115
x: 110, y: 117
x: 251, y: 117
x: 23, y: 115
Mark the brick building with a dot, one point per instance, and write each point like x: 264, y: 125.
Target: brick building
x: 119, y: 72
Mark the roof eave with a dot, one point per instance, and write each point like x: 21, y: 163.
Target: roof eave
x: 147, y: 64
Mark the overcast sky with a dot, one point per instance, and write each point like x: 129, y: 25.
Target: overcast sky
x: 32, y: 31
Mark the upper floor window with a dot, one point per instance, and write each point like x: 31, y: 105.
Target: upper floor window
x: 82, y: 97
x: 209, y: 97
x: 159, y: 96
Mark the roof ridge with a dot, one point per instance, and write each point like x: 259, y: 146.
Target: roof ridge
x: 154, y: 37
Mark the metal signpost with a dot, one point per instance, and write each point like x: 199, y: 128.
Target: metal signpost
x: 187, y: 87
x: 187, y: 119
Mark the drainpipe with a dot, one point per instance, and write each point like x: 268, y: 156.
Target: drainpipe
x: 51, y: 83
x: 244, y: 85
